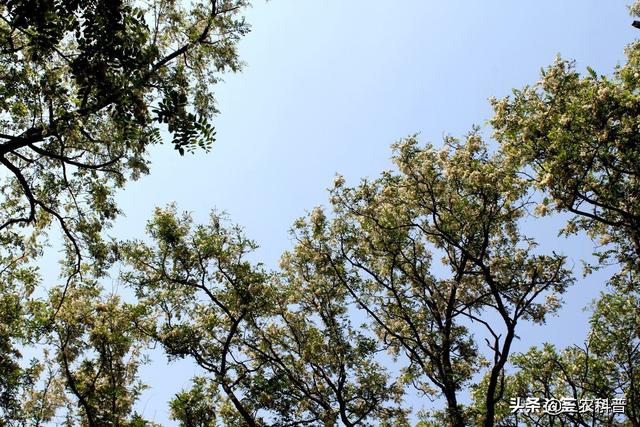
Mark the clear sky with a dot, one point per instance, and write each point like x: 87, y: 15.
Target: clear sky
x: 330, y: 84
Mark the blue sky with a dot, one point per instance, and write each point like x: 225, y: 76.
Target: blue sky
x: 329, y: 85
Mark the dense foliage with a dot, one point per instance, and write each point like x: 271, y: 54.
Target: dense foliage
x: 415, y: 283
x: 575, y: 138
x: 86, y: 87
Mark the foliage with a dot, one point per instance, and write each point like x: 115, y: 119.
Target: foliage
x: 463, y: 204
x: 183, y: 269
x: 18, y: 280
x: 423, y: 268
x: 578, y: 136
x: 310, y: 339
x: 92, y: 351
x: 195, y: 407
x: 86, y: 86
x: 576, y: 139
x: 280, y: 350
x: 604, y: 368
x: 98, y: 352
x: 280, y: 346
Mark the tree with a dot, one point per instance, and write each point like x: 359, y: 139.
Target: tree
x: 196, y: 407
x: 280, y: 348
x: 462, y: 204
x: 605, y: 368
x: 318, y: 364
x: 86, y: 86
x: 572, y: 137
x: 576, y: 139
x: 18, y: 279
x: 97, y: 350
x: 87, y: 361
x: 175, y: 276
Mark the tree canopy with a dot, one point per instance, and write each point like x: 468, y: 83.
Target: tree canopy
x: 416, y: 282
x: 86, y: 88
